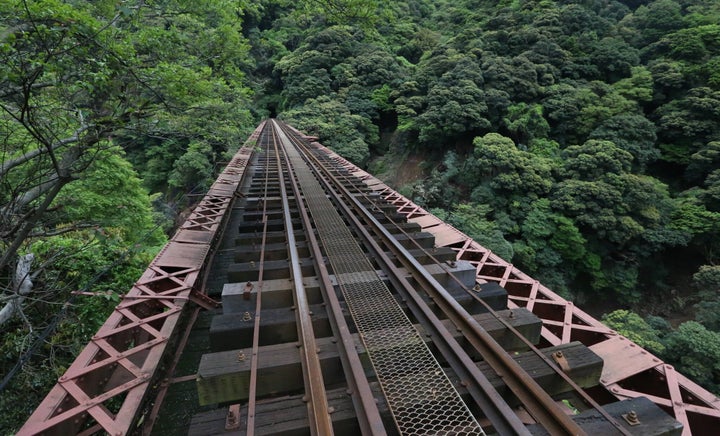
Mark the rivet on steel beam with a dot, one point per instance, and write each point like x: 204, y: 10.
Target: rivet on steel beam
x: 241, y: 356
x: 331, y: 409
x: 511, y: 315
x: 477, y: 287
x: 349, y: 391
x: 247, y: 316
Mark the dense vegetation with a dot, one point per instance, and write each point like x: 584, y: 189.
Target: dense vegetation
x: 101, y: 104
x: 578, y: 139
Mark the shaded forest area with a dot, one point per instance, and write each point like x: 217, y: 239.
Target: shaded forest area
x: 578, y: 139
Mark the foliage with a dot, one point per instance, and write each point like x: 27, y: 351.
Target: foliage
x: 472, y: 220
x: 633, y: 327
x: 86, y: 88
x: 336, y: 126
x: 696, y: 350
x: 707, y: 280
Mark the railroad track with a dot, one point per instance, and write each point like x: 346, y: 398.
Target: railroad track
x: 340, y: 316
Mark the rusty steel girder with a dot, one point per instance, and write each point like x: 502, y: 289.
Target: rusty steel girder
x: 105, y: 387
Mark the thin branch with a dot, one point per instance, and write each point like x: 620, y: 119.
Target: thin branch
x: 64, y: 230
x: 7, y: 166
x: 29, y: 224
x: 18, y: 90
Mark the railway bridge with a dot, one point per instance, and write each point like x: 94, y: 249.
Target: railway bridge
x: 305, y: 296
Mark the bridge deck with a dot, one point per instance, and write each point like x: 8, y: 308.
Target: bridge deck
x: 297, y: 346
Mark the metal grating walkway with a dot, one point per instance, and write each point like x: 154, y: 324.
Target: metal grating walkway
x: 418, y: 392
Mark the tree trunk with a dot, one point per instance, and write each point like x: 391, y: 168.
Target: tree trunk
x: 22, y: 285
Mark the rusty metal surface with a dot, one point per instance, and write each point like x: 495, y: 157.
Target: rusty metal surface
x: 182, y: 255
x: 105, y: 386
x: 192, y: 236
x: 696, y: 408
x: 252, y: 390
x: 635, y: 359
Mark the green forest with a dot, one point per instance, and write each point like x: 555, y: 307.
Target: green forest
x: 579, y: 140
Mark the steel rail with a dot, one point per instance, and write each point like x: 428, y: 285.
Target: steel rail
x: 566, y: 378
x: 366, y: 409
x: 533, y: 397
x: 419, y: 394
x: 484, y: 394
x: 537, y: 402
x: 252, y: 390
x: 574, y: 386
x: 318, y: 414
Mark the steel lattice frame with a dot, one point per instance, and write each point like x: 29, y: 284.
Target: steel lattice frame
x: 106, y: 385
x: 629, y: 371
